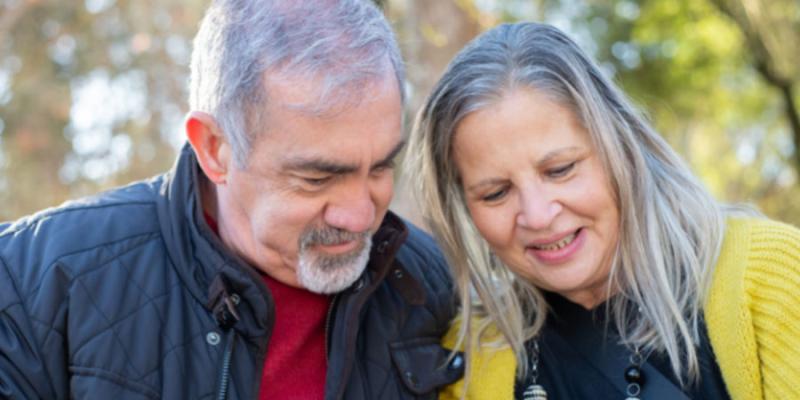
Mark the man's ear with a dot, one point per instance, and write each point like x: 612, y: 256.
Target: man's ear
x: 209, y: 144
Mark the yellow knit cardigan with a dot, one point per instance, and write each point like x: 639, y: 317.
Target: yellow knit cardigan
x: 752, y: 315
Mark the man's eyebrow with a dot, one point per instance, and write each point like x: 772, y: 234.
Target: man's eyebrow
x: 390, y: 158
x: 312, y: 164
x: 319, y: 165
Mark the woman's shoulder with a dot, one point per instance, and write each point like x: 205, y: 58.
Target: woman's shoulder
x: 490, y: 349
x: 491, y: 364
x: 763, y: 234
x: 753, y: 311
x: 758, y: 243
x: 759, y: 262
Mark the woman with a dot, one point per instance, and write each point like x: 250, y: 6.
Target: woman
x: 591, y: 263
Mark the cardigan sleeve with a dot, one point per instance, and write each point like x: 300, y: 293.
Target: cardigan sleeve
x: 753, y: 310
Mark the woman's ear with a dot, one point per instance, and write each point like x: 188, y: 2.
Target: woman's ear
x: 212, y: 150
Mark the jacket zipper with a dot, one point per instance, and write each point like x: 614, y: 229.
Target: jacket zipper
x: 223, y: 307
x: 224, y: 379
x: 328, y: 322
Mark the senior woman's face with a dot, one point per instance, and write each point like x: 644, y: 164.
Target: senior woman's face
x: 539, y: 195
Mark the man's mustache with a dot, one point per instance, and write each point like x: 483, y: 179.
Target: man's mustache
x: 329, y: 236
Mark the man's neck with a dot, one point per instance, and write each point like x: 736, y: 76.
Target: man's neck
x: 208, y: 197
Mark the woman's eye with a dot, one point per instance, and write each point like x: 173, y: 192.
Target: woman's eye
x: 560, y: 171
x: 494, y: 196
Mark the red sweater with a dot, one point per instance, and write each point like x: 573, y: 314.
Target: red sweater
x: 296, y: 363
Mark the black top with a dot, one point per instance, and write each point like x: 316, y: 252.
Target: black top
x: 580, y: 358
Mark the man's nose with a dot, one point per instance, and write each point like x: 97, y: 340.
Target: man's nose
x: 352, y: 209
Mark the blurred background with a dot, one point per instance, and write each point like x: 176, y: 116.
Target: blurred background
x: 93, y: 92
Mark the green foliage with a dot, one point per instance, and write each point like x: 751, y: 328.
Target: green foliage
x: 712, y: 104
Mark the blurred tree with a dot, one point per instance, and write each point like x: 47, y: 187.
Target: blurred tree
x: 430, y: 33
x: 767, y: 28
x: 91, y: 95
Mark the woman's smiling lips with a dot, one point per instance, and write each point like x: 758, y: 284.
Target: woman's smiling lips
x: 558, y: 249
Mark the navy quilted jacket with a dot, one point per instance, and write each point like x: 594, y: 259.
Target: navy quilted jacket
x: 129, y: 295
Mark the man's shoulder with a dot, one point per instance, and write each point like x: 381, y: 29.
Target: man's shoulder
x: 420, y: 241
x: 421, y: 256
x: 112, y: 217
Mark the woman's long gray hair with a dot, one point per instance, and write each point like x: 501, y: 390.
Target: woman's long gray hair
x: 671, y: 229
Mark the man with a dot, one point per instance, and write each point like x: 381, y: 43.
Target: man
x: 265, y: 263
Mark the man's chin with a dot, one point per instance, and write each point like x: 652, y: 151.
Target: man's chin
x: 329, y: 282
x: 326, y: 274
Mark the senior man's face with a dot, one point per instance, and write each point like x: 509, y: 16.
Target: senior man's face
x: 315, y: 188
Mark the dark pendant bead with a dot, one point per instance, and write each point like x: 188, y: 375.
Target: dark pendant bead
x: 634, y: 374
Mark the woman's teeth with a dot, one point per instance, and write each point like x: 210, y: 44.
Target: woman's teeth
x: 557, y: 245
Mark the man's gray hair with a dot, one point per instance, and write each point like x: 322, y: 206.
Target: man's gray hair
x: 342, y: 44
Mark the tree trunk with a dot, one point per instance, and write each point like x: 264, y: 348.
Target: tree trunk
x: 767, y: 67
x: 794, y: 122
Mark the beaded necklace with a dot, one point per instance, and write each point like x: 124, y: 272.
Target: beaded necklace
x: 634, y: 375
x: 534, y: 391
